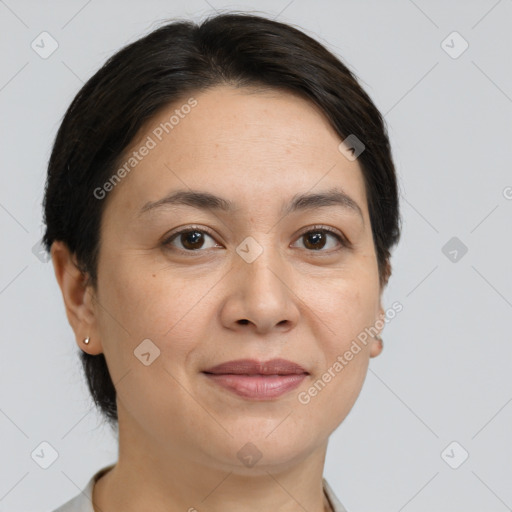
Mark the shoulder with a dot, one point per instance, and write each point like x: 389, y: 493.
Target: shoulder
x: 333, y: 499
x: 83, y: 501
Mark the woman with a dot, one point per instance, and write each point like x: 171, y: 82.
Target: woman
x: 220, y: 207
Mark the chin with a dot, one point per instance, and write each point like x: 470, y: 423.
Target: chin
x: 264, y: 449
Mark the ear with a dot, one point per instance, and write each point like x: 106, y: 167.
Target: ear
x: 78, y: 297
x: 376, y: 345
x: 386, y: 273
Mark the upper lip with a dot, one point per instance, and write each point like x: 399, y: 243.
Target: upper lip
x: 254, y: 367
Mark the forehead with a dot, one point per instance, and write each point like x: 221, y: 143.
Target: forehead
x: 246, y: 144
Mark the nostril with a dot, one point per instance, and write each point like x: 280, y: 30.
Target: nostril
x: 244, y: 321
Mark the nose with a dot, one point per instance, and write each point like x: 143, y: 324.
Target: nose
x: 260, y: 295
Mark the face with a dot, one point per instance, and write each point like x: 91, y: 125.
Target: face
x: 261, y: 280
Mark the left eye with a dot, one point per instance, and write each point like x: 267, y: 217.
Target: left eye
x: 316, y: 239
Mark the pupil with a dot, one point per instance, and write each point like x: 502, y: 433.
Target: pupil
x: 315, y: 238
x: 192, y: 236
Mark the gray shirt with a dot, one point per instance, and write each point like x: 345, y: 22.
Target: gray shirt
x: 83, y: 502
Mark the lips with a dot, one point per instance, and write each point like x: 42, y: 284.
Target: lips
x: 255, y: 380
x: 254, y: 367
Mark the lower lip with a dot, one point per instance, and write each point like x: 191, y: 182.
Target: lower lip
x: 258, y: 387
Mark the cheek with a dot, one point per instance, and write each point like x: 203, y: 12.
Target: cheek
x: 145, y: 301
x: 347, y: 305
x: 156, y: 305
x: 347, y: 308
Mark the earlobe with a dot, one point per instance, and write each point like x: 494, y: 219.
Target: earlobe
x: 77, y: 297
x: 377, y: 343
x: 377, y: 346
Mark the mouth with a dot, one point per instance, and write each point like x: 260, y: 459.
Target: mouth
x: 255, y: 380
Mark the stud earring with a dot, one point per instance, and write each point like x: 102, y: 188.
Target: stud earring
x: 86, y: 340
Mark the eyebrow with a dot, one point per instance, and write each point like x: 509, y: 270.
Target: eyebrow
x: 299, y: 202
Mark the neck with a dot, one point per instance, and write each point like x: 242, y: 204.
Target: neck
x: 148, y: 476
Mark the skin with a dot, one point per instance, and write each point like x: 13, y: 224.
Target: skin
x: 179, y: 434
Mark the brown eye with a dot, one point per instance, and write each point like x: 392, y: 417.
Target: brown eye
x: 189, y: 239
x: 192, y: 239
x: 317, y: 239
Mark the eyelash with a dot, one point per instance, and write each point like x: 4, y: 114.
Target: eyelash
x: 312, y: 229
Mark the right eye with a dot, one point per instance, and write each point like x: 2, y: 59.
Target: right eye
x: 191, y: 239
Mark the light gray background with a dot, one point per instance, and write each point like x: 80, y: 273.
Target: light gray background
x: 444, y: 374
